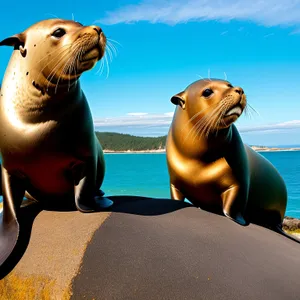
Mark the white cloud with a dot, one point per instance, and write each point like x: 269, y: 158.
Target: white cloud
x: 268, y: 35
x: 137, y: 114
x: 269, y: 13
x: 146, y: 122
x: 136, y: 120
x: 169, y: 114
x: 272, y: 127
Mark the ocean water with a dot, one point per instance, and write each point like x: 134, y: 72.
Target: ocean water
x: 147, y: 175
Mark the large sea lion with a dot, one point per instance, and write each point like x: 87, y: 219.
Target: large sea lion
x: 209, y: 164
x: 47, y: 140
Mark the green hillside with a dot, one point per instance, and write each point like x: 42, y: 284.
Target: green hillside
x: 124, y: 142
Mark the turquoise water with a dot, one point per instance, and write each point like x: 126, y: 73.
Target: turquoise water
x: 147, y: 175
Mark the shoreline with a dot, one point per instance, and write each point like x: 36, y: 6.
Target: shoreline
x: 134, y: 151
x: 255, y: 148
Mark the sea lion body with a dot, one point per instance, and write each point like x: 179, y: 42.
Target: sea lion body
x: 46, y: 152
x: 209, y: 164
x: 48, y: 145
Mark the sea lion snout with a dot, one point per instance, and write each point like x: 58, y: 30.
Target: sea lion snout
x: 235, y: 102
x: 97, y: 29
x: 239, y: 90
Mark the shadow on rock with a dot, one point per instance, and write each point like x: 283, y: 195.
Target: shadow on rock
x: 122, y: 204
x: 26, y: 218
x: 142, y: 206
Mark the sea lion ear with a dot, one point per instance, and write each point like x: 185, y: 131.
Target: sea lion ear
x: 16, y: 41
x: 179, y: 99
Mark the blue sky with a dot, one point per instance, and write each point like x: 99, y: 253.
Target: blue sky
x: 166, y: 45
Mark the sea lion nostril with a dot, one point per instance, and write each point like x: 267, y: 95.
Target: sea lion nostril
x: 97, y: 29
x: 240, y: 91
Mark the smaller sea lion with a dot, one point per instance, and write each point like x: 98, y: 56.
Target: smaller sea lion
x: 47, y: 141
x: 210, y: 166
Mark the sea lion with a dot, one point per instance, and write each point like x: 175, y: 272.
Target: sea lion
x: 48, y: 145
x: 210, y: 166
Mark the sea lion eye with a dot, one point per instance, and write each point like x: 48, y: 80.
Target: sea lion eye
x: 58, y: 33
x: 206, y: 93
x: 229, y: 85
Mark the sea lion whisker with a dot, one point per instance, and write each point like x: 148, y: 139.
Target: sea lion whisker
x: 107, y: 64
x: 62, y: 54
x: 220, y: 119
x: 212, y: 120
x: 55, y: 69
x: 203, y: 78
x: 207, y: 127
x: 247, y: 113
x: 76, y: 50
x: 53, y: 58
x: 194, y: 127
x: 253, y: 109
x: 72, y: 67
x: 214, y: 112
x: 113, y: 53
x: 52, y: 15
x: 100, y: 68
x: 209, y: 75
x: 193, y: 117
x: 114, y: 41
x: 109, y: 53
x: 57, y: 82
x: 82, y: 46
x: 81, y: 50
x: 113, y: 48
x: 65, y: 68
x: 201, y: 126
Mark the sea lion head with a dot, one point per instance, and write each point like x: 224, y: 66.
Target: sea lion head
x: 57, y: 51
x: 211, y: 104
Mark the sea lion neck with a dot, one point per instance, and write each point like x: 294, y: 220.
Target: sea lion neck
x: 30, y: 100
x: 194, y: 144
x: 40, y: 108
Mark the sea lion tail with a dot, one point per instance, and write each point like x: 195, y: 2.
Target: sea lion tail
x: 9, y: 234
x: 279, y: 229
x: 13, y: 192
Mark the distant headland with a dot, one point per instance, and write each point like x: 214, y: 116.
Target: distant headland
x: 125, y: 143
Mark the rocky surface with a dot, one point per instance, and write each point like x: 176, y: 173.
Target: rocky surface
x: 291, y: 224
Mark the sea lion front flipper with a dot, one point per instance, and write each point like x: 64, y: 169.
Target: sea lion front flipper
x: 84, y: 194
x: 176, y: 194
x: 13, y: 191
x: 86, y: 200
x: 234, y: 205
